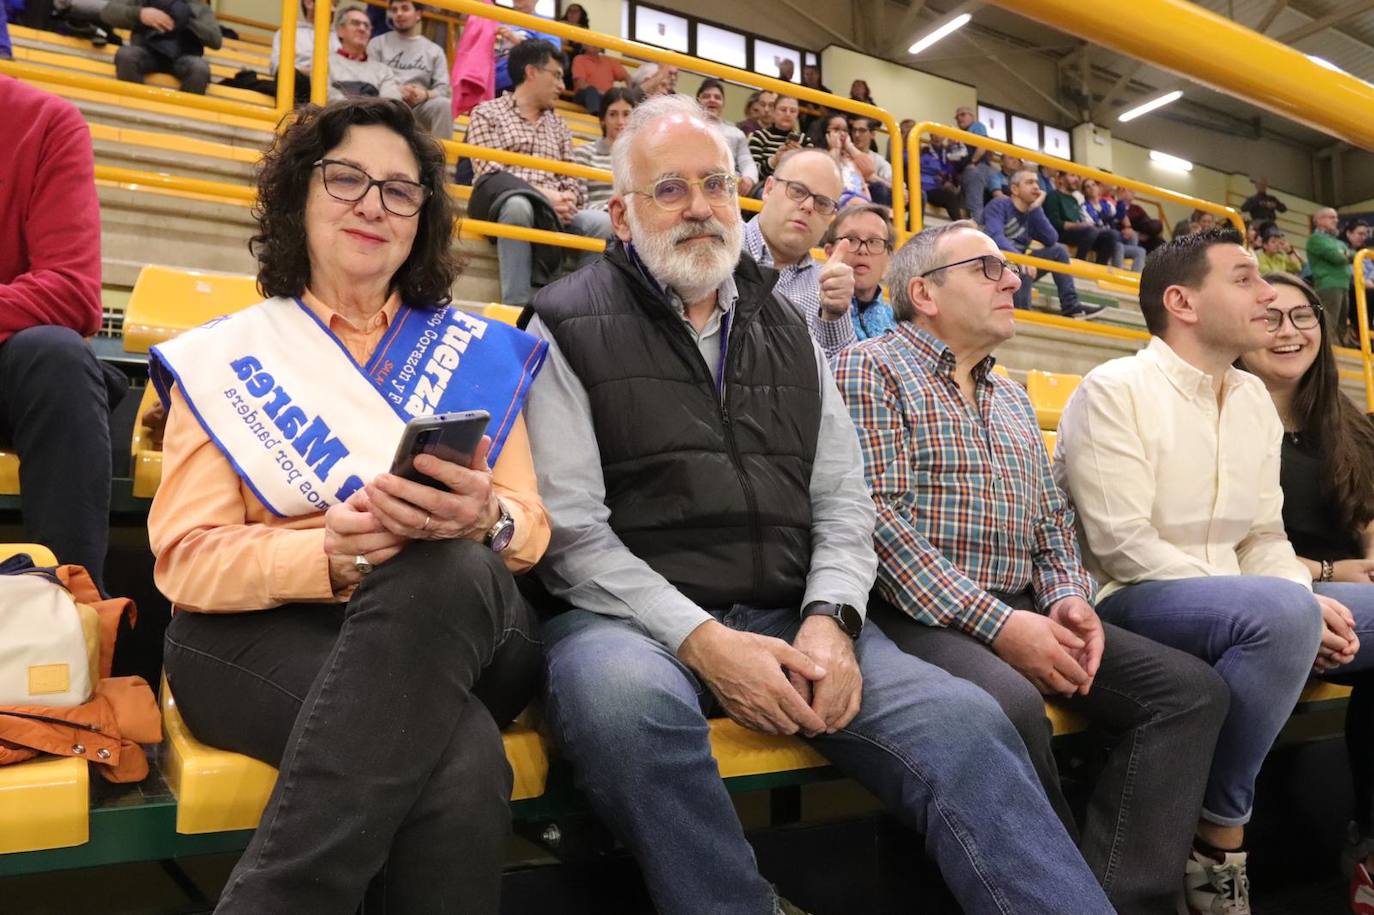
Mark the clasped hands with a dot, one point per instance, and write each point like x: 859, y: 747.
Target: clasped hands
x: 377, y: 521
x: 812, y: 686
x: 1059, y: 652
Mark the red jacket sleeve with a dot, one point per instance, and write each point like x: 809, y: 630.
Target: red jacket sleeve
x: 61, y: 233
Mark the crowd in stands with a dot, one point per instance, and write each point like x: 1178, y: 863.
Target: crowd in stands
x: 746, y: 481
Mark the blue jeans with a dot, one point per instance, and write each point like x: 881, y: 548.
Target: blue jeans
x: 1063, y: 282
x: 516, y: 257
x: 936, y: 750
x: 1359, y: 712
x: 973, y: 184
x: 1261, y: 634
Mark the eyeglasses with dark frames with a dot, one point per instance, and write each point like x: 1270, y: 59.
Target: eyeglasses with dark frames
x: 993, y: 266
x: 867, y: 245
x: 1304, y: 317
x: 349, y: 183
x: 673, y: 193
x: 799, y: 192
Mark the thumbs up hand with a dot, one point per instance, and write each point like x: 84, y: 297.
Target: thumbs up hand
x: 837, y: 283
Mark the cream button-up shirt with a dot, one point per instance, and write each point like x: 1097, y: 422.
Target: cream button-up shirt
x: 1168, y: 480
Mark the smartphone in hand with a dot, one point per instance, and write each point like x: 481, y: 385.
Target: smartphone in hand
x: 452, y: 437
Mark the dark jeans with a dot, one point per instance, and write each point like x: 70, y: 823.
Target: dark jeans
x: 133, y: 63
x: 1063, y: 282
x: 393, y: 784
x: 1162, y: 710
x: 948, y: 198
x: 1359, y: 712
x: 937, y: 751
x: 1091, y: 240
x: 55, y: 413
x: 589, y: 97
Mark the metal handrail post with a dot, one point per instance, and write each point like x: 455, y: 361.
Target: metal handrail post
x: 1362, y: 315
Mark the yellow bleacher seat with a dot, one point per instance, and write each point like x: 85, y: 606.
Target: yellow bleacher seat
x: 166, y: 301
x: 165, y: 80
x: 219, y: 791
x: 41, y: 555
x: 145, y: 458
x: 9, y: 473
x: 1321, y: 691
x: 1049, y: 439
x: 44, y: 803
x: 506, y: 314
x: 1001, y: 370
x: 1049, y: 392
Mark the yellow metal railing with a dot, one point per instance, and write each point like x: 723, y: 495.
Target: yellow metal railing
x: 1362, y: 315
x: 659, y: 55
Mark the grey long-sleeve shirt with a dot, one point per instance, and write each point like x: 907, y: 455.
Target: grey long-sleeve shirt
x: 588, y: 566
x: 414, y: 60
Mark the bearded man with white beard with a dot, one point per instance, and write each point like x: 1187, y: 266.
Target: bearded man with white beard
x: 712, y: 552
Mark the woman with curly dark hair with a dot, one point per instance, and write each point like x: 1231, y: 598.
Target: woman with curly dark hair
x: 1327, y: 476
x: 358, y: 630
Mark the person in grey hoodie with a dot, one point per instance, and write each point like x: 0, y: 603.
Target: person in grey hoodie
x: 169, y: 36
x: 420, y: 67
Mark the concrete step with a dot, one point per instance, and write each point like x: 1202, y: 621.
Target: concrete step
x: 188, y: 165
x: 120, y: 116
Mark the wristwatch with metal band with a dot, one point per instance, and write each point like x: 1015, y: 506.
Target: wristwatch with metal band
x: 502, y: 532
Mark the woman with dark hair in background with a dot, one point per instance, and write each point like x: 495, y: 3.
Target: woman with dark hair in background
x: 359, y: 631
x: 574, y: 14
x: 616, y: 106
x: 859, y: 92
x: 1327, y: 475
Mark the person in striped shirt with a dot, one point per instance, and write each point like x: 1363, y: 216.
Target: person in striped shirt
x: 616, y: 106
x: 979, y: 572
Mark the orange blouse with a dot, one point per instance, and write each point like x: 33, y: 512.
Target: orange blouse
x: 219, y: 549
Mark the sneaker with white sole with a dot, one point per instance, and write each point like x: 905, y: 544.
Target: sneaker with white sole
x: 1214, y: 887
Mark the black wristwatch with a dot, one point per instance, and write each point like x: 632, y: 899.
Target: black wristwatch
x: 849, y: 619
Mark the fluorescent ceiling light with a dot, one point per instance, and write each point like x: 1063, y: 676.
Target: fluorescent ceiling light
x: 1323, y: 62
x: 1151, y: 105
x: 954, y: 25
x: 1173, y: 163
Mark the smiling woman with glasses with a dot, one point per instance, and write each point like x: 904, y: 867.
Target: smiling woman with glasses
x: 1326, y: 473
x: 299, y: 567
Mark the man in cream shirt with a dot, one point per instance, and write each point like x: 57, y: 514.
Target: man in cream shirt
x: 1171, y: 458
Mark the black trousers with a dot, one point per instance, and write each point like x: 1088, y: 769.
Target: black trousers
x: 1161, y: 707
x: 55, y: 413
x: 393, y: 787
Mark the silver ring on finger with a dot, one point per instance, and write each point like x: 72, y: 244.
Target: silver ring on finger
x: 425, y: 526
x: 361, y: 564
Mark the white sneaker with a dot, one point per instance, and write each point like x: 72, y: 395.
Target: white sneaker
x: 1212, y: 888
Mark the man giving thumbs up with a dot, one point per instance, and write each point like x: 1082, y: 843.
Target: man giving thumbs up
x: 799, y: 202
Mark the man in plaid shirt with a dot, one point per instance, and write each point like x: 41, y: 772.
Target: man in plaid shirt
x: 524, y: 121
x: 980, y: 574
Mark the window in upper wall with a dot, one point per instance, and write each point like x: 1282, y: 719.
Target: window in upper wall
x: 995, y: 121
x: 1057, y: 142
x: 722, y: 46
x: 1025, y: 132
x: 662, y: 29
x: 546, y: 8
x: 767, y: 56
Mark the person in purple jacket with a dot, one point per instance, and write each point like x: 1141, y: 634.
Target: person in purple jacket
x: 1016, y: 220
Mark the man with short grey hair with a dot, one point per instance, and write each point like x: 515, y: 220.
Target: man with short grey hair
x: 980, y: 573
x: 712, y: 552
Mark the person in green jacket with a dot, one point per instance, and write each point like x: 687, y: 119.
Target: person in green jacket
x: 1074, y: 227
x: 1329, y: 257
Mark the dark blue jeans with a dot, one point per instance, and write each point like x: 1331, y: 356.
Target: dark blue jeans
x: 1063, y: 282
x: 1359, y: 712
x: 55, y: 413
x: 383, y: 717
x: 936, y: 750
x: 1261, y: 634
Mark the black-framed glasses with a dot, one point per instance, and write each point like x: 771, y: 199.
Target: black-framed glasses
x: 799, y: 192
x: 993, y: 266
x: 673, y: 193
x: 1304, y: 317
x: 350, y: 184
x: 867, y: 245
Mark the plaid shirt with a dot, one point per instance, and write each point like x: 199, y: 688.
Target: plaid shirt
x: 498, y: 124
x: 966, y: 500
x: 800, y: 284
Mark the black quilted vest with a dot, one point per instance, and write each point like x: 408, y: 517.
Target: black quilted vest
x: 712, y: 493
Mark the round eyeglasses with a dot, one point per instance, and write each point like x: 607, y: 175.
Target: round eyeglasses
x: 348, y: 183
x: 867, y: 245
x: 674, y: 193
x: 993, y: 266
x: 1304, y: 317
